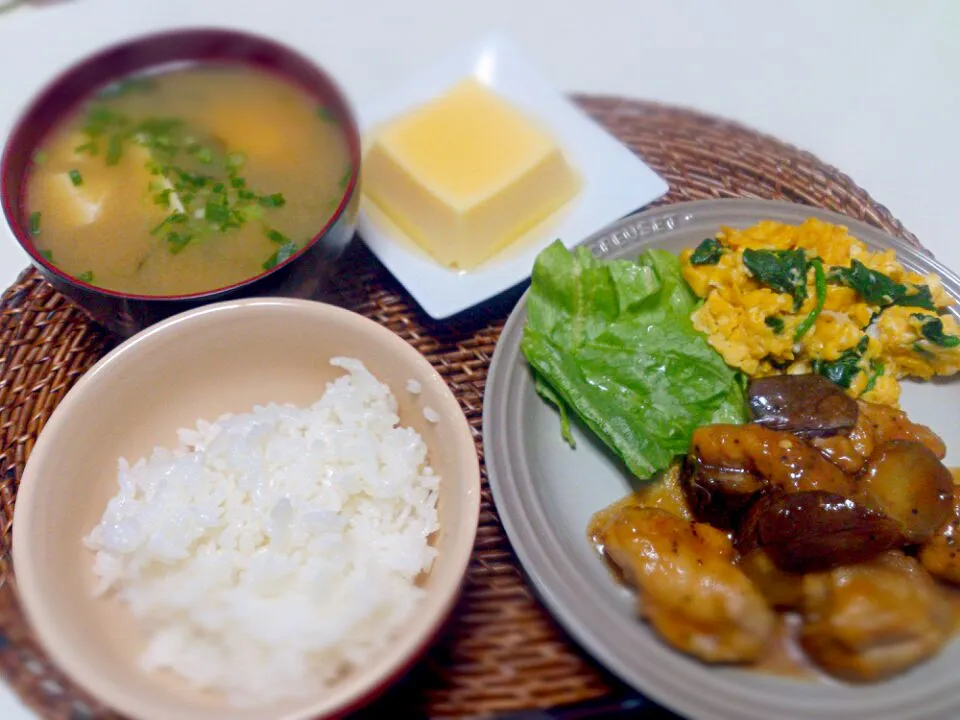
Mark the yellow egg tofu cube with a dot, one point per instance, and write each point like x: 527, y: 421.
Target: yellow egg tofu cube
x: 466, y: 174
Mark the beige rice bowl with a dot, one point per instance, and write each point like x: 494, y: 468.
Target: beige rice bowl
x: 272, y: 551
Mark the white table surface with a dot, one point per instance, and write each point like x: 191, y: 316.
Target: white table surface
x: 869, y: 86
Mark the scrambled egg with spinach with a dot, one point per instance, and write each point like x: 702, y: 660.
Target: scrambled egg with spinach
x: 812, y: 298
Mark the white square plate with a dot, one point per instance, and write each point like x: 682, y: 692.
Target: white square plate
x: 615, y: 182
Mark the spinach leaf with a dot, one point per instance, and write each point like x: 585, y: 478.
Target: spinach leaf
x: 821, y: 289
x: 707, y: 253
x: 613, y: 343
x: 879, y: 289
x: 921, y: 298
x: 845, y: 368
x: 876, y: 370
x: 932, y: 329
x: 782, y: 270
x: 774, y: 323
x: 923, y: 352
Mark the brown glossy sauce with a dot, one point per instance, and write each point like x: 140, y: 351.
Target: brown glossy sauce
x: 784, y: 657
x: 661, y: 493
x: 599, y: 521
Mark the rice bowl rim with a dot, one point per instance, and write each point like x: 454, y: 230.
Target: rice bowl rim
x: 360, y: 684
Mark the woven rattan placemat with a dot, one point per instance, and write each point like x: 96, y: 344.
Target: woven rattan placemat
x: 500, y: 651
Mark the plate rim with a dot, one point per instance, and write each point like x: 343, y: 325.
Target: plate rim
x: 509, y: 478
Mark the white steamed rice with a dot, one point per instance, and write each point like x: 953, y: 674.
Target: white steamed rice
x: 271, y: 551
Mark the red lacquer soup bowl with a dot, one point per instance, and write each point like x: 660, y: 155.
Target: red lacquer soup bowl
x: 304, y: 275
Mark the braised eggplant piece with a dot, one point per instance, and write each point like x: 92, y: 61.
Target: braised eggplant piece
x: 815, y: 530
x: 870, y: 621
x: 941, y: 556
x: 780, y: 459
x: 808, y: 405
x: 782, y: 589
x: 905, y: 481
x: 717, y: 496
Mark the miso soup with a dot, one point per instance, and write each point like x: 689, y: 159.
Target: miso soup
x: 186, y: 181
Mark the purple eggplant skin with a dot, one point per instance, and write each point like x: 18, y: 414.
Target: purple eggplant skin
x: 718, y: 496
x: 808, y: 405
x: 906, y: 481
x: 815, y: 530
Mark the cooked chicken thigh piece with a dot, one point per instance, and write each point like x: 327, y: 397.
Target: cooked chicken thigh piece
x: 867, y: 622
x: 876, y: 424
x: 689, y: 588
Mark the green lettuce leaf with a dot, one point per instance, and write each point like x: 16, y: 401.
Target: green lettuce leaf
x: 612, y: 341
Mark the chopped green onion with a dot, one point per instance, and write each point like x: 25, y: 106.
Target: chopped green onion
x: 39, y: 157
x: 47, y: 255
x: 199, y: 203
x: 286, y: 251
x: 75, y: 177
x: 162, y: 198
x: 177, y: 218
x: 273, y: 201
x: 86, y: 277
x: 114, y: 150
x: 345, y: 178
x: 35, y: 223
x: 178, y: 241
x: 89, y: 147
x: 278, y: 237
x: 216, y: 212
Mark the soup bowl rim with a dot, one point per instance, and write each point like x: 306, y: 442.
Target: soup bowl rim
x: 12, y: 194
